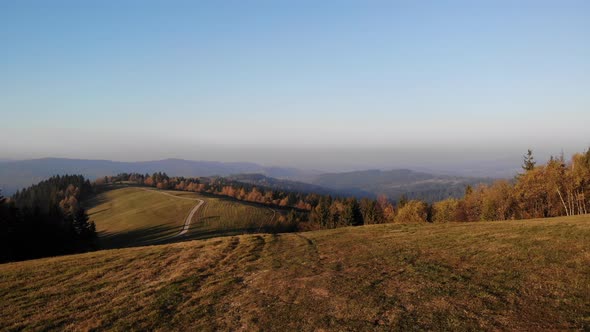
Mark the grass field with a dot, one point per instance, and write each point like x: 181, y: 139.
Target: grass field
x: 134, y: 216
x: 517, y: 275
x: 225, y: 216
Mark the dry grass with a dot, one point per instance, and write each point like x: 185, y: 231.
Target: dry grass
x: 525, y: 275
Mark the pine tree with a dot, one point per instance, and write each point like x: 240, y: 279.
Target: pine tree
x: 80, y: 222
x: 529, y: 161
x: 347, y: 216
x: 322, y: 213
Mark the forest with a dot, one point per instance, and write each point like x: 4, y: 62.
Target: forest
x: 46, y: 219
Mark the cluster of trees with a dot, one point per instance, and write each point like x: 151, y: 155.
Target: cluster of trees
x: 46, y: 219
x: 558, y: 188
x: 337, y: 212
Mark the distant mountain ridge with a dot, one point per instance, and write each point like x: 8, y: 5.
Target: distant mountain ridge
x: 19, y: 174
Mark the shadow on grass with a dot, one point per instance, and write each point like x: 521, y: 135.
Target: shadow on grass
x: 166, y: 234
x: 97, y: 198
x: 138, y: 237
x: 94, y: 201
x: 97, y: 212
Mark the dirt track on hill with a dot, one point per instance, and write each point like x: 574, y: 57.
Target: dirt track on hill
x: 189, y: 218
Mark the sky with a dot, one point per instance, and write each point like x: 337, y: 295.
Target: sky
x: 319, y: 84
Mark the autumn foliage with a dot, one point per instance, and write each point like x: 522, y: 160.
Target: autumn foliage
x: 558, y: 188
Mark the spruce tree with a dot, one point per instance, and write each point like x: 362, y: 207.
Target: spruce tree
x: 529, y: 162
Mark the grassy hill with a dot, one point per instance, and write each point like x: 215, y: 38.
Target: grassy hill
x: 516, y: 275
x: 139, y: 216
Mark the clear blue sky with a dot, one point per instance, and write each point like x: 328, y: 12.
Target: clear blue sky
x: 136, y: 80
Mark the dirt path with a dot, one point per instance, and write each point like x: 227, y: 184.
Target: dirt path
x: 274, y: 213
x: 189, y: 218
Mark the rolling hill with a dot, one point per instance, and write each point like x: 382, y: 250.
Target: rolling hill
x: 132, y: 216
x: 525, y: 275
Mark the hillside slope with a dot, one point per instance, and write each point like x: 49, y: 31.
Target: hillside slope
x: 135, y: 216
x: 529, y: 275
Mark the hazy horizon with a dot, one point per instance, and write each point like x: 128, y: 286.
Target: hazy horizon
x: 466, y: 162
x: 330, y: 86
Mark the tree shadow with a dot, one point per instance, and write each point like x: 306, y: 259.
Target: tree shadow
x: 97, y: 212
x: 208, y: 234
x: 138, y: 237
x: 167, y: 234
x: 98, y: 197
x: 94, y: 201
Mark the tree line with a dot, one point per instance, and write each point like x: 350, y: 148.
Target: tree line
x: 46, y: 219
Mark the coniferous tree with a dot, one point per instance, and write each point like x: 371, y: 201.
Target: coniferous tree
x: 355, y: 210
x: 529, y: 161
x: 321, y: 213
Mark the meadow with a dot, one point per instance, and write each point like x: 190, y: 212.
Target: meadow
x: 507, y: 275
x: 132, y: 216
